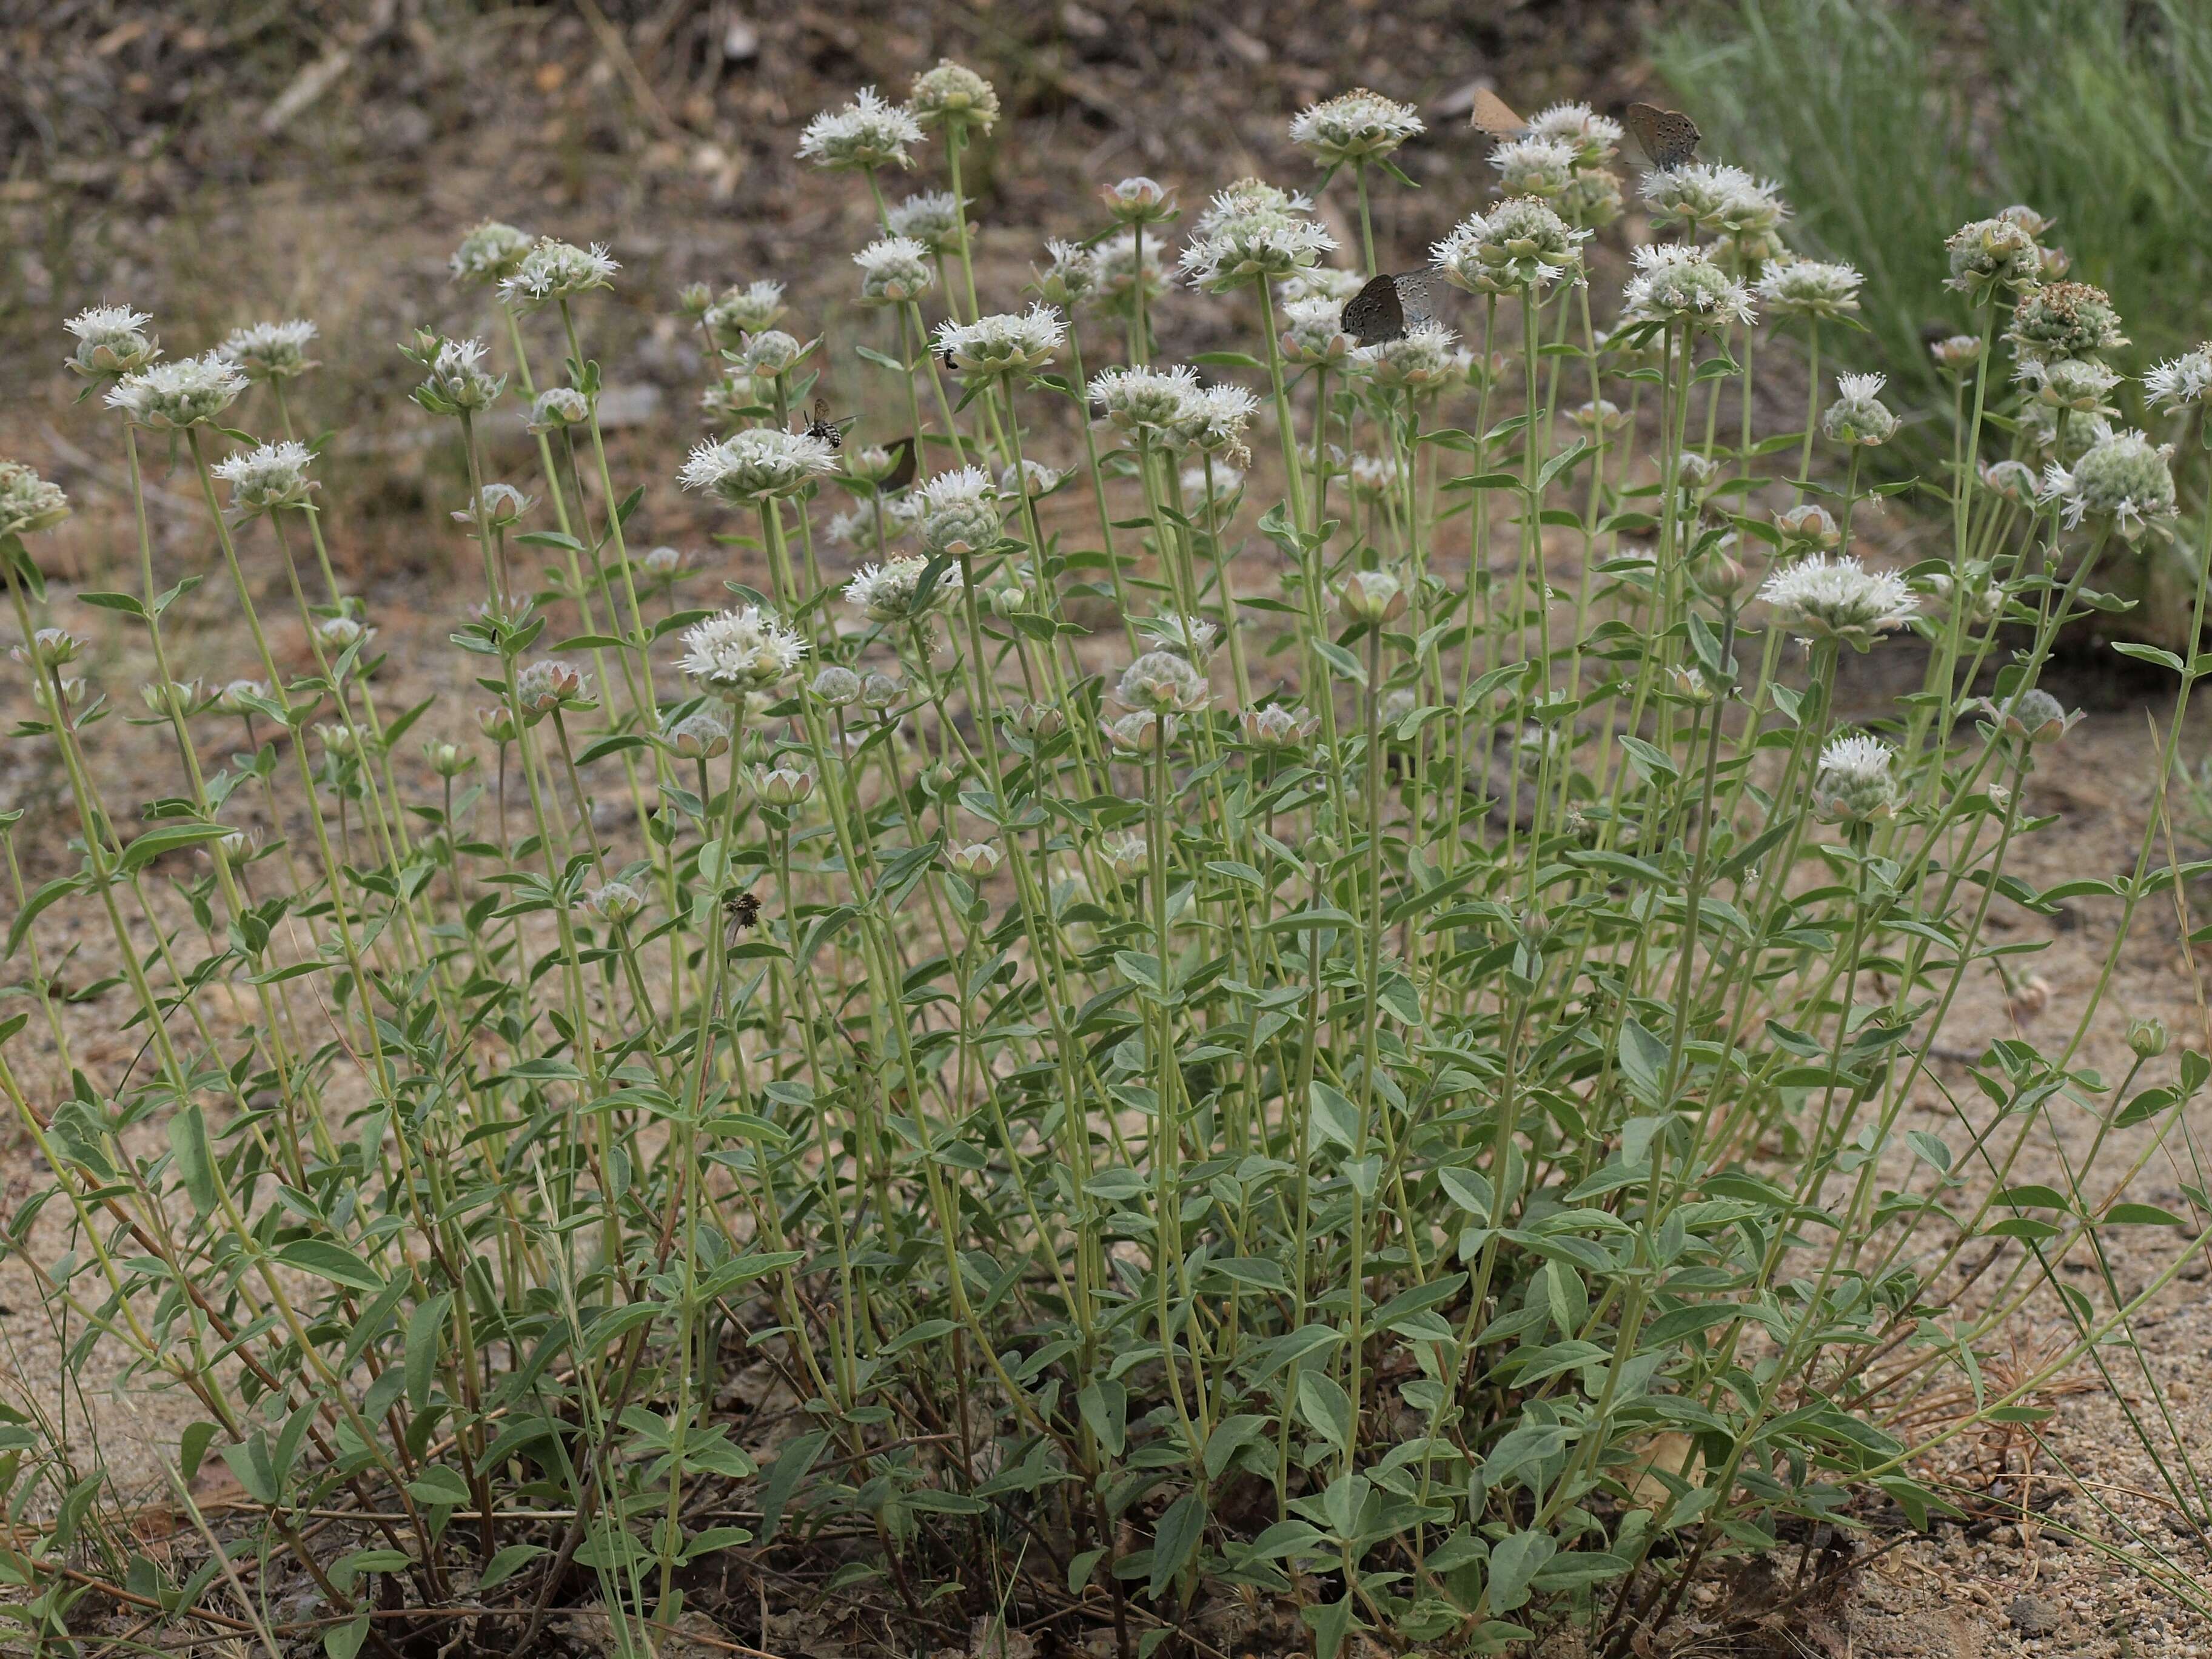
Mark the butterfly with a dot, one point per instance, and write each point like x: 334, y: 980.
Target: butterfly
x: 902, y: 472
x: 1667, y: 137
x: 829, y: 431
x: 1377, y: 313
x: 1492, y: 116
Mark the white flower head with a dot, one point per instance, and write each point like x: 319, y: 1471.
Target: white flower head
x: 172, y: 395
x: 2183, y: 382
x: 488, y: 253
x: 742, y: 311
x: 1679, y: 284
x: 866, y: 134
x: 1542, y: 167
x: 739, y: 651
x: 1858, y: 415
x: 1991, y: 255
x: 1070, y: 275
x: 27, y: 501
x: 457, y: 381
x: 1163, y: 682
x: 1006, y: 342
x: 1212, y: 421
x: 271, y: 351
x: 931, y: 217
x: 1421, y: 359
x: 1852, y: 784
x: 953, y: 95
x: 1596, y: 138
x: 1253, y: 232
x: 555, y: 269
x: 760, y: 462
x: 1312, y: 331
x: 1810, y: 287
x: 1147, y: 401
x: 959, y: 512
x: 2081, y: 385
x: 1521, y: 242
x: 110, y: 340
x: 894, y: 269
x: 1353, y: 126
x: 1838, y: 599
x: 892, y: 590
x: 1137, y: 200
x: 1122, y: 270
x: 1035, y: 479
x: 2125, y: 480
x: 267, y: 477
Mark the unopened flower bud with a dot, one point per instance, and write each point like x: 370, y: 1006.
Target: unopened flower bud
x: 978, y: 858
x: 1372, y: 596
x: 838, y: 687
x: 2146, y: 1036
x: 783, y: 785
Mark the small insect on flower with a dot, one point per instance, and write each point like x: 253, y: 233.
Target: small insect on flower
x: 27, y: 501
x: 111, y: 341
x: 174, y: 396
x: 268, y: 478
x: 1356, y: 126
x: 554, y: 270
x: 1005, y: 343
x: 1667, y: 137
x: 271, y: 351
x: 1839, y: 599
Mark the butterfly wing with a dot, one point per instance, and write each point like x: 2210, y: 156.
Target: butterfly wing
x: 901, y: 474
x: 1667, y: 137
x: 1376, y: 313
x: 1493, y: 116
